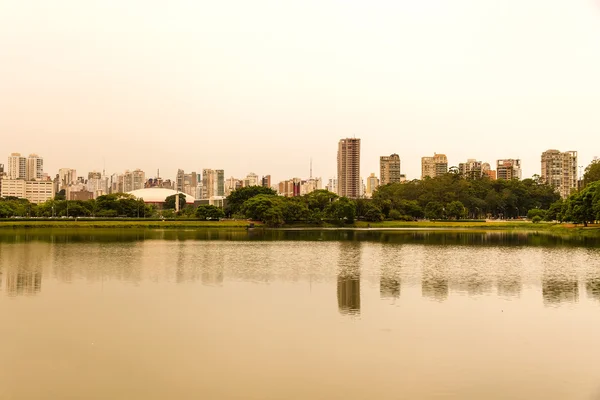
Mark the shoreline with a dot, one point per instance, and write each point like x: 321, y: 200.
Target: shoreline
x: 358, y: 226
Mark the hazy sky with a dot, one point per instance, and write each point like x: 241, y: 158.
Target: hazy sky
x: 264, y: 85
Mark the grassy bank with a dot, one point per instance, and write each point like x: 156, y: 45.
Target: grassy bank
x: 154, y: 224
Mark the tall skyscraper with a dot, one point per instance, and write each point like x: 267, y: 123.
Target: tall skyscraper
x: 434, y: 166
x: 208, y: 183
x: 348, y: 166
x: 17, y: 166
x: 34, y: 167
x: 220, y: 182
x: 508, y: 169
x: 389, y: 167
x: 560, y: 170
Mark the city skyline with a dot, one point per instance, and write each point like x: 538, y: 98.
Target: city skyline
x: 191, y: 84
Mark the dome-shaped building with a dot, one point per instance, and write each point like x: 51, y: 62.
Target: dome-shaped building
x: 158, y: 195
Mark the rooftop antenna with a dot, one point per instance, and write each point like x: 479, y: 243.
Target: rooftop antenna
x: 311, y: 168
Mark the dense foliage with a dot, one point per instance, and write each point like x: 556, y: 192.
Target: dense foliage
x: 453, y: 197
x: 446, y: 197
x: 110, y: 205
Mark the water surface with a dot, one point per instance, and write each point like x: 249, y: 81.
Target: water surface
x: 221, y: 314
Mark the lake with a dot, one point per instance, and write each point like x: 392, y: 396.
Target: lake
x: 300, y: 314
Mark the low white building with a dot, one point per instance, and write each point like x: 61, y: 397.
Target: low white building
x: 35, y: 191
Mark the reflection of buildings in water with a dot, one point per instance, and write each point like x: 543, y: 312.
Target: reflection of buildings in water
x: 473, y: 284
x: 23, y: 281
x: 558, y: 289
x: 592, y: 287
x: 348, y: 282
x: 434, y: 287
x: 509, y: 286
x: 348, y: 292
x: 389, y: 287
x: 212, y: 277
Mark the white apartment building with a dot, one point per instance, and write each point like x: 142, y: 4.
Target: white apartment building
x: 17, y: 166
x: 34, y: 167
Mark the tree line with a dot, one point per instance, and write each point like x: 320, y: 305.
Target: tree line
x: 450, y: 196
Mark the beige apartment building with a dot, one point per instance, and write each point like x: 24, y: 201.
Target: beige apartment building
x: 560, y: 171
x: 508, y: 169
x: 389, y: 170
x: 372, y: 184
x: 34, y: 167
x: 35, y: 191
x: 348, y: 166
x: 434, y: 166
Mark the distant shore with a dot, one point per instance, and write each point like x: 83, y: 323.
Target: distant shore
x: 242, y: 224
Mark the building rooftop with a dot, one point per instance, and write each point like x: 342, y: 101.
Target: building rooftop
x: 158, y: 195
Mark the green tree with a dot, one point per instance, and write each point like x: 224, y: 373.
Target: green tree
x: 170, y: 202
x: 592, y: 173
x: 536, y: 212
x: 456, y: 210
x: 237, y: 198
x: 342, y: 210
x: 434, y: 210
x: 583, y: 207
x: 554, y: 213
x: 209, y: 212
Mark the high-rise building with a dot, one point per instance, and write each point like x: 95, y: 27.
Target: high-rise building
x: 220, y: 182
x: 389, y: 167
x: 179, y: 180
x: 251, y: 180
x: 232, y: 184
x: 34, y: 167
x: 208, y: 183
x: 187, y: 183
x: 94, y: 175
x: 508, y: 169
x: 560, y: 171
x: 348, y: 167
x: 332, y: 185
x: 372, y: 184
x: 17, y: 166
x: 66, y: 177
x: 290, y: 188
x: 133, y: 180
x: 266, y: 181
x: 472, y: 169
x: 434, y: 166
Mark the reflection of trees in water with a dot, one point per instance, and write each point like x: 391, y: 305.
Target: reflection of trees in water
x: 348, y: 281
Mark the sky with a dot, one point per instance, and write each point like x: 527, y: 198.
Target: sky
x: 265, y: 85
